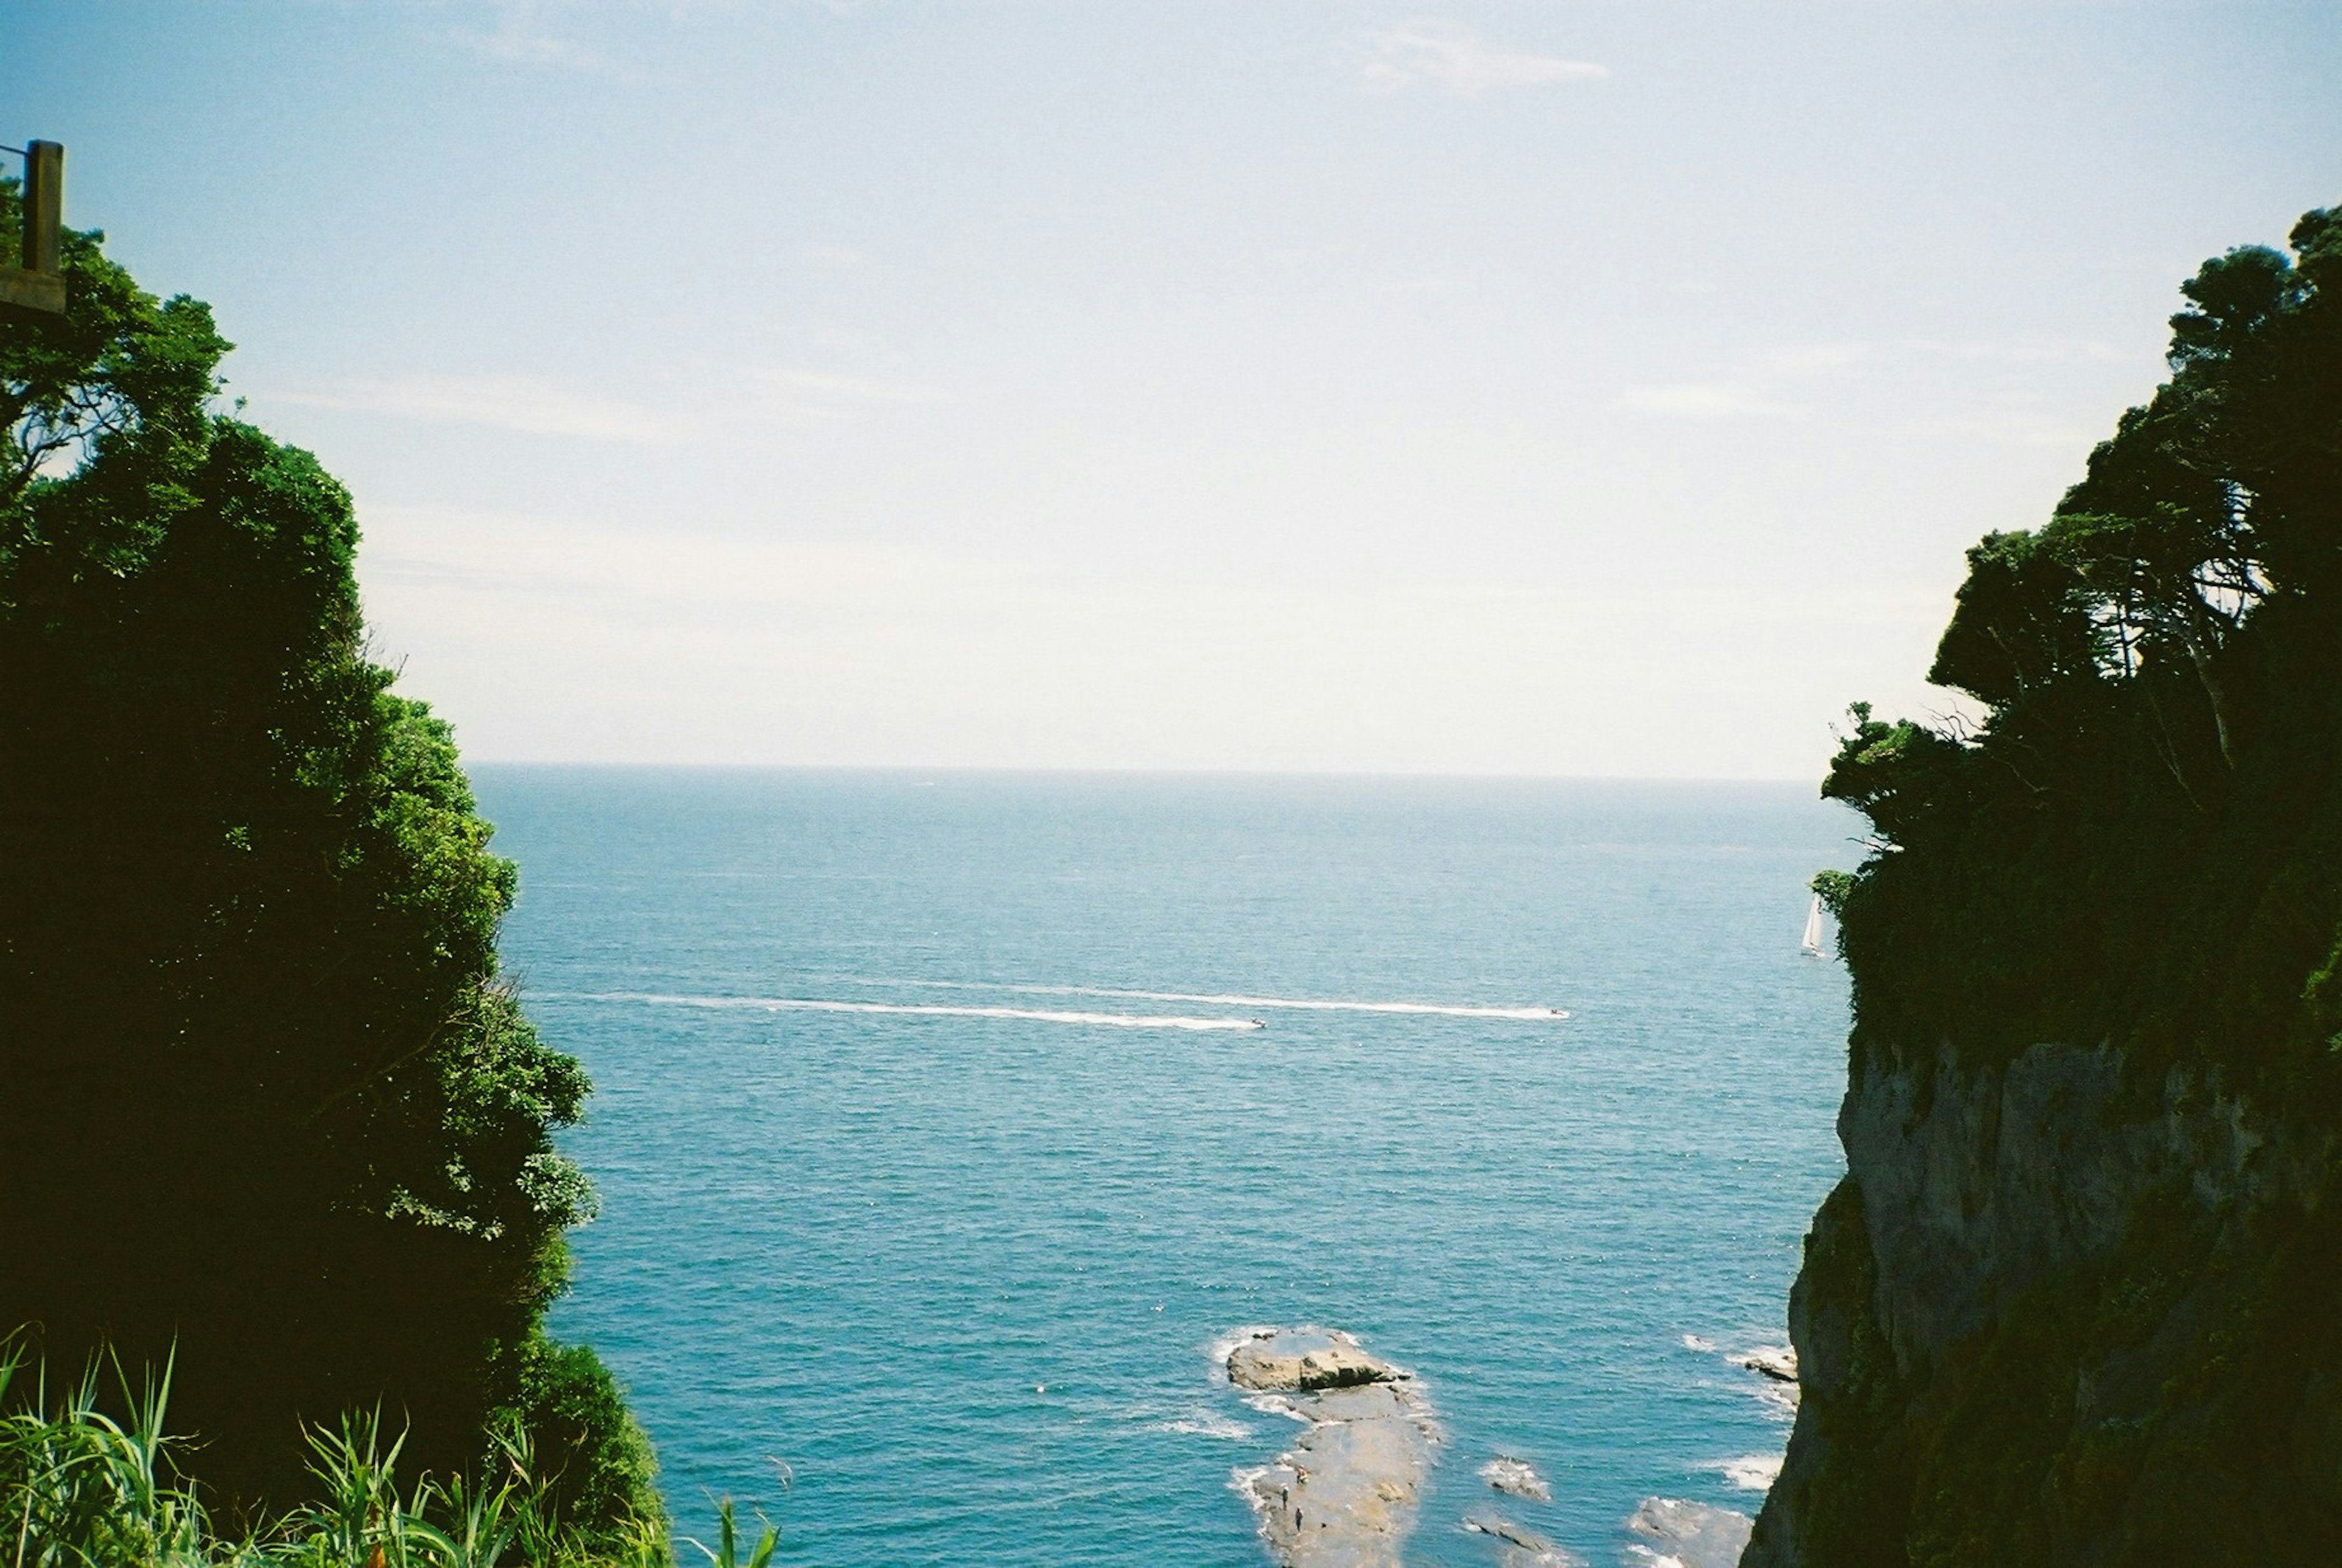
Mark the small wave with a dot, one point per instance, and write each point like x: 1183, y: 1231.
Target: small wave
x: 1217, y: 999
x: 817, y: 1005
x: 1220, y: 1349
x: 1240, y: 1482
x: 1774, y: 1386
x: 1276, y: 1405
x: 1750, y: 1473
x: 1219, y: 1426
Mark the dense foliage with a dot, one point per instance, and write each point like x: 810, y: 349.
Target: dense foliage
x: 2143, y: 841
x: 264, y: 1094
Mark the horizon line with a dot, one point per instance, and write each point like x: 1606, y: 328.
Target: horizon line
x: 1145, y: 771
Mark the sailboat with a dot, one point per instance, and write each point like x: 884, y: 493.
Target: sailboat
x: 1812, y: 946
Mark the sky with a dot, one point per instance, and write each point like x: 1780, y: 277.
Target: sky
x: 1568, y: 387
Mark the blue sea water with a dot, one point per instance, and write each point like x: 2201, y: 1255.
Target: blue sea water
x: 909, y: 1188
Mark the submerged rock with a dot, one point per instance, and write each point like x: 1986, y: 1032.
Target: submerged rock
x: 1345, y: 1495
x: 1517, y: 1478
x: 1521, y: 1548
x: 1689, y: 1534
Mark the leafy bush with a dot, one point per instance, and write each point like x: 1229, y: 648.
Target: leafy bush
x: 79, y: 1489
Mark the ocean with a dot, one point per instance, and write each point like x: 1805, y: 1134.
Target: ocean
x: 945, y: 1123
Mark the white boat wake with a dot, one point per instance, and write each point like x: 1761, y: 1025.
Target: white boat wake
x: 817, y: 1004
x: 1217, y: 999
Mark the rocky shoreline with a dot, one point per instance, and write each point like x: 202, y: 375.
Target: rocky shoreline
x: 1348, y: 1492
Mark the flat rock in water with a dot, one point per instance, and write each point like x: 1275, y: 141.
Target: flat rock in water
x: 1777, y: 1362
x: 1691, y: 1535
x: 1299, y: 1360
x: 1344, y: 1494
x: 1521, y: 1548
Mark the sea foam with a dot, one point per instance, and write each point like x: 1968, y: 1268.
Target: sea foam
x: 1750, y: 1473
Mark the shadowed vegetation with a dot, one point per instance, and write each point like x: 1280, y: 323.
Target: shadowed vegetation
x: 86, y: 1482
x: 2142, y: 841
x: 2140, y: 846
x: 264, y: 1094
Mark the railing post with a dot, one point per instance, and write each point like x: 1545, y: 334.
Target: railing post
x: 45, y: 201
x: 39, y: 281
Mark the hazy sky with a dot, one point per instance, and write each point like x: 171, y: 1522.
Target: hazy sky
x: 1568, y: 388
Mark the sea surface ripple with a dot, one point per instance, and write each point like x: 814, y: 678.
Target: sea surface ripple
x: 944, y: 1122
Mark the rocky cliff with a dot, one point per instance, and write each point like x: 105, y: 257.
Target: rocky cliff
x: 2051, y: 1317
x: 2078, y: 1300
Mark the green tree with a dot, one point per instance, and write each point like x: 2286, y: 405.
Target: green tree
x: 2143, y: 840
x: 264, y: 1093
x: 2139, y: 846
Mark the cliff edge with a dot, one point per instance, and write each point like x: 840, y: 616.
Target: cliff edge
x: 2041, y: 1322
x: 2078, y: 1300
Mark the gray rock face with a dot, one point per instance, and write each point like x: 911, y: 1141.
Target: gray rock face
x: 1978, y: 1185
x: 1973, y: 1194
x: 1346, y: 1494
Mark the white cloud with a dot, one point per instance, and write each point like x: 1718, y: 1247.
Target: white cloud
x: 526, y: 403
x: 1811, y: 359
x: 518, y: 38
x: 1707, y: 400
x: 822, y: 254
x: 1757, y: 392
x: 673, y: 643
x: 1450, y: 58
x: 820, y: 388
x: 2038, y: 351
x: 2006, y: 428
x: 1424, y: 287
x: 535, y: 405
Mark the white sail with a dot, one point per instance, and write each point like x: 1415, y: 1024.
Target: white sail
x: 1812, y: 946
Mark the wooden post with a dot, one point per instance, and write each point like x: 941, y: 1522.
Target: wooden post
x: 44, y: 204
x: 39, y: 284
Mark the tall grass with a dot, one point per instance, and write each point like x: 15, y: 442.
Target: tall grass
x: 83, y: 1488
